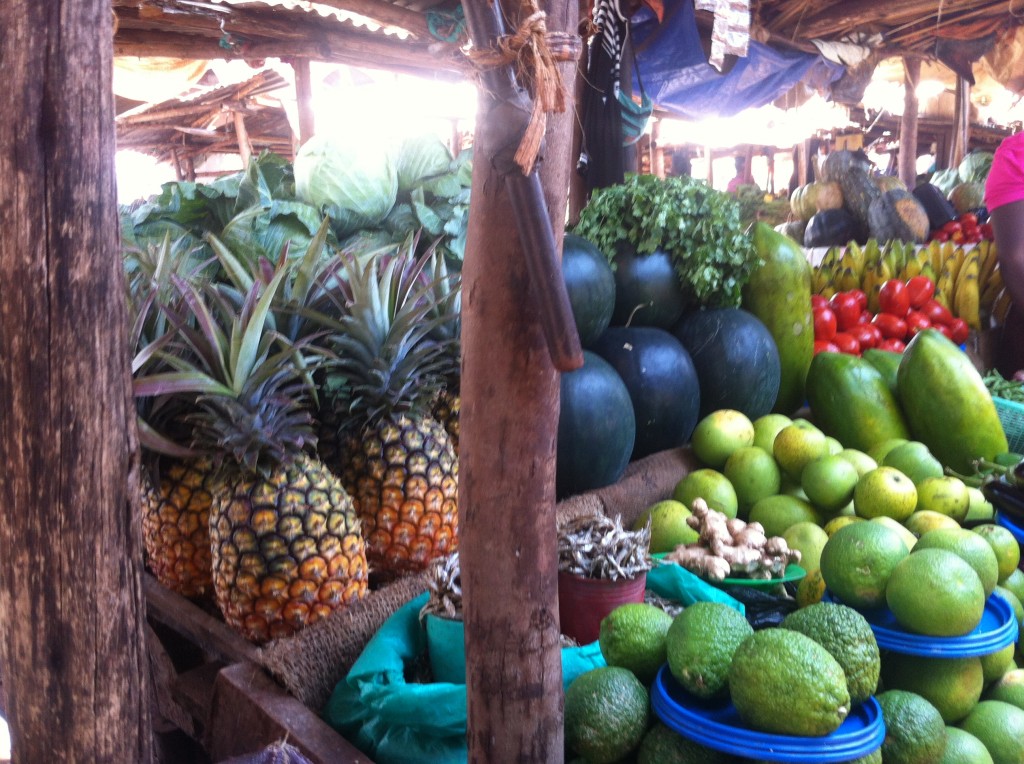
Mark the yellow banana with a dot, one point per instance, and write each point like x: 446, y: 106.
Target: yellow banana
x: 966, y: 296
x: 944, y: 286
x: 871, y: 283
x: 848, y: 279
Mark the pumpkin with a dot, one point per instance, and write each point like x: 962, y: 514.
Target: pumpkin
x: 839, y: 163
x: 859, y: 191
x: 967, y: 196
x: 815, y: 197
x: 889, y: 183
x: 830, y: 228
x: 794, y: 229
x: 935, y: 203
x: 898, y: 215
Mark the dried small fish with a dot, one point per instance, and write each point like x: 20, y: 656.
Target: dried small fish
x: 600, y: 547
x: 445, y: 584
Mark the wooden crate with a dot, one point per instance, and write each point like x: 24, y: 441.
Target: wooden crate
x: 209, y: 684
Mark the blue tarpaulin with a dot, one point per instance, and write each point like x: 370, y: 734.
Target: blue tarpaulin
x: 678, y: 78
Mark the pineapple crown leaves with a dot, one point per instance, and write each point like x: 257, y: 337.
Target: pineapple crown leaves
x: 385, y: 337
x: 245, y: 385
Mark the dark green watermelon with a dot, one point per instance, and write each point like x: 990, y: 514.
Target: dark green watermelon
x: 662, y: 384
x: 591, y: 286
x: 647, y: 289
x: 736, y: 359
x: 596, y: 427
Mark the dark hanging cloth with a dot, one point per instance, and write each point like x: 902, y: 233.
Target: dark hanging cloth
x: 959, y: 55
x: 601, y: 161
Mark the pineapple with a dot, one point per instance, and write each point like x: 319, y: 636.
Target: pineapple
x: 175, y: 491
x: 446, y: 302
x: 396, y: 461
x: 286, y: 544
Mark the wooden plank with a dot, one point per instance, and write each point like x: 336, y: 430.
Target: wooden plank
x: 72, y: 643
x: 250, y: 711
x: 191, y: 621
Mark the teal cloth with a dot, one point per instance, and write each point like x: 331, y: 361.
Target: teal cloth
x: 396, y: 722
x: 676, y: 583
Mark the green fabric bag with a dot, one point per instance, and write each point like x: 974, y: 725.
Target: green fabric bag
x: 396, y: 722
x: 676, y: 583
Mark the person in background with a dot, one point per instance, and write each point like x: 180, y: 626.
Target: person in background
x: 1004, y: 197
x: 740, y: 177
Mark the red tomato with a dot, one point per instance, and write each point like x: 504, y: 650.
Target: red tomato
x: 921, y: 290
x: 862, y: 298
x: 890, y: 327
x: 940, y: 236
x: 847, y: 343
x: 916, y: 322
x: 893, y: 344
x: 986, y: 231
x: 936, y: 312
x: 867, y: 335
x: 823, y: 346
x: 824, y: 323
x: 968, y: 219
x: 959, y: 330
x: 943, y: 330
x: 957, y: 236
x: 893, y: 298
x: 952, y: 227
x: 846, y: 309
x: 818, y: 301
x: 865, y: 317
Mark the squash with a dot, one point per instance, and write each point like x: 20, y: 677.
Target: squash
x: 889, y: 183
x: 830, y: 228
x: 815, y: 197
x: 596, y: 427
x: 967, y: 196
x: 898, y: 215
x: 647, y: 289
x: 662, y: 383
x: 794, y: 229
x: 859, y: 191
x: 590, y: 284
x: 736, y: 359
x: 938, y: 207
x: 839, y: 163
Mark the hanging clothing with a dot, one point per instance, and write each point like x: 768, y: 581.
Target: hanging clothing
x: 601, y: 161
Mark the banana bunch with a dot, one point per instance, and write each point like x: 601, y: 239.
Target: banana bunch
x: 967, y: 282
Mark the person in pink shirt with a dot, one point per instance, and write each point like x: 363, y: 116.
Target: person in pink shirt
x: 1004, y: 197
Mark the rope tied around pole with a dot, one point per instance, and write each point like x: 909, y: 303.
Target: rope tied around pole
x: 534, y: 51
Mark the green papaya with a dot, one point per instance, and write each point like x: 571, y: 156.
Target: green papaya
x: 946, y: 403
x: 887, y: 362
x: 851, y: 401
x: 778, y: 292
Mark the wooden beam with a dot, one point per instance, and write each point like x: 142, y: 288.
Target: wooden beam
x: 857, y: 14
x: 386, y: 13
x: 304, y: 98
x: 72, y: 644
x: 242, y: 136
x: 908, y: 123
x: 437, y: 61
x: 960, y: 134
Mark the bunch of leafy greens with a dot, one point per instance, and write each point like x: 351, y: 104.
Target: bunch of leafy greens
x: 700, y: 228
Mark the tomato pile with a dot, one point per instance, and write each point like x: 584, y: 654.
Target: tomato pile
x: 843, y: 324
x: 964, y: 230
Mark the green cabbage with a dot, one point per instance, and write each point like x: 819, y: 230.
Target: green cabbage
x: 354, y: 181
x: 421, y: 158
x: 946, y: 180
x: 975, y: 166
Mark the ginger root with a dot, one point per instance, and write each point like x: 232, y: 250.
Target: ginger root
x: 729, y: 546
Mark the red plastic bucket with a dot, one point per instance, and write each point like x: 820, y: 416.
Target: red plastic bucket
x: 584, y: 602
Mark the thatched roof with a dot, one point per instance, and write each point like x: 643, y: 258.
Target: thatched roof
x: 191, y: 127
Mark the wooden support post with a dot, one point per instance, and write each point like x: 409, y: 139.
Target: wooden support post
x: 304, y: 99
x: 960, y: 139
x: 908, y: 124
x: 509, y: 423
x: 75, y: 674
x: 578, y: 80
x: 242, y: 136
x: 657, y: 150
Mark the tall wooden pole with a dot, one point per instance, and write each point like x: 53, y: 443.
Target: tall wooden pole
x: 71, y: 641
x: 304, y: 99
x: 509, y: 423
x: 961, y: 137
x: 908, y: 123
